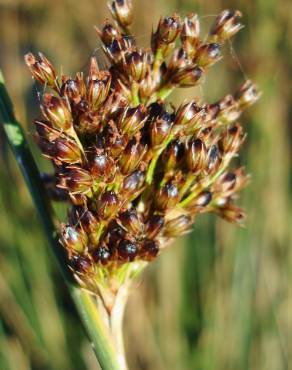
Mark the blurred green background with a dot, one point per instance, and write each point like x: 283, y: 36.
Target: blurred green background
x: 220, y: 298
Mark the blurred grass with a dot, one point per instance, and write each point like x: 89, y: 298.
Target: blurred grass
x: 221, y: 298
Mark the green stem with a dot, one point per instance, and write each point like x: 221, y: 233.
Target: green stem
x: 165, y: 91
x: 92, y: 322
x: 135, y: 93
x: 153, y: 162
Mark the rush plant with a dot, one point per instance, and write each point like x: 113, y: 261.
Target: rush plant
x: 134, y: 169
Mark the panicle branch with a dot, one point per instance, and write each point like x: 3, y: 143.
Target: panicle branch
x: 136, y: 170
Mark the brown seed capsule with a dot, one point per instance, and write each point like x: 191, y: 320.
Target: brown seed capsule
x: 190, y: 34
x: 232, y: 214
x: 74, y: 89
x: 42, y: 70
x: 46, y: 131
x: 102, y: 166
x: 132, y: 120
x: 133, y: 183
x: 226, y: 25
x: 122, y: 12
x: 73, y: 238
x: 66, y: 151
x: 81, y: 264
x: 172, y: 155
x: 115, y: 51
x: 196, y: 155
x: 127, y: 250
x: 154, y: 226
x: 136, y: 65
x: 76, y: 180
x: 108, y: 33
x: 150, y: 249
x: 177, y: 226
x: 232, y: 140
x: 213, y: 159
x: 132, y: 156
x: 115, y: 235
x: 188, y: 116
x: 161, y: 129
x: 202, y: 199
x: 102, y: 255
x: 107, y: 205
x: 229, y: 110
x: 132, y: 222
x: 226, y: 182
x: 58, y: 112
x: 188, y: 76
x: 208, y: 54
x: 167, y: 31
x: 178, y: 61
x: 167, y: 197
x: 247, y: 95
x: 98, y: 89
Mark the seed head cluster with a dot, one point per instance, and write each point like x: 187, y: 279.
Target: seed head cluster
x: 135, y: 169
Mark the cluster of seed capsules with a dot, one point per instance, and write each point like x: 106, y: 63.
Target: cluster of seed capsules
x: 137, y: 170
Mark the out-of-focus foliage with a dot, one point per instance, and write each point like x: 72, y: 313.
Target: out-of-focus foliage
x: 221, y: 298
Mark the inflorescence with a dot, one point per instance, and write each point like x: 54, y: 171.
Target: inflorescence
x: 135, y: 169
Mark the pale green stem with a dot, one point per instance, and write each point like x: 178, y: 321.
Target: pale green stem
x: 135, y: 93
x: 153, y: 162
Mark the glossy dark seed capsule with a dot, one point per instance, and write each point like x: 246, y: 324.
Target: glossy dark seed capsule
x: 172, y: 155
x: 133, y: 182
x: 107, y: 205
x: 76, y: 180
x: 46, y: 131
x: 67, y: 151
x: 132, y: 156
x: 196, y: 155
x: 70, y: 89
x: 58, y: 112
x: 227, y: 182
x: 98, y: 89
x: 132, y: 120
x: 203, y: 199
x: 102, y: 255
x: 177, y: 226
x: 102, y: 166
x: 131, y: 221
x: 122, y: 12
x: 108, y: 33
x: 188, y: 76
x: 161, y: 129
x: 213, y: 158
x: 208, y: 54
x: 167, y: 31
x: 81, y: 264
x: 167, y: 197
x: 127, y: 250
x: 136, y: 65
x: 116, y: 234
x: 154, y: 226
x: 188, y: 115
x: 150, y: 249
x: 73, y: 238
